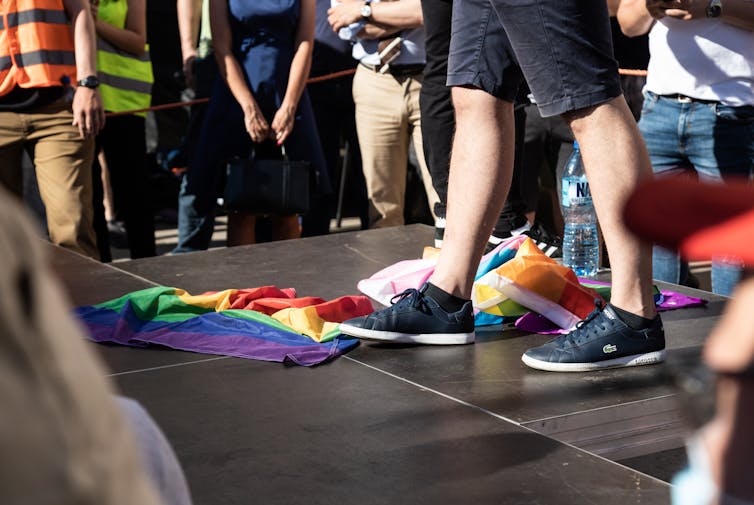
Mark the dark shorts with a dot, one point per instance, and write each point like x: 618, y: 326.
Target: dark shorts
x: 480, y: 54
x: 564, y: 48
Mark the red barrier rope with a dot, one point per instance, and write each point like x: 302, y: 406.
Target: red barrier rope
x: 631, y: 71
x: 311, y: 80
x: 165, y: 106
x: 334, y: 75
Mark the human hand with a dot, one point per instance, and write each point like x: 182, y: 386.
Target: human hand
x: 730, y: 345
x: 656, y: 8
x: 344, y: 13
x: 727, y: 439
x: 88, y: 112
x: 688, y: 9
x: 282, y: 123
x: 94, y: 6
x: 729, y: 351
x: 256, y: 124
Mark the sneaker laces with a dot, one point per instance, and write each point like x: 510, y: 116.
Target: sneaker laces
x: 412, y: 298
x: 582, y: 327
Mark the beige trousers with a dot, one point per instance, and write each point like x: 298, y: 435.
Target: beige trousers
x: 387, y: 119
x: 63, y: 162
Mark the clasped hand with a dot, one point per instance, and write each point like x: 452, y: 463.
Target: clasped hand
x: 679, y: 9
x: 259, y: 130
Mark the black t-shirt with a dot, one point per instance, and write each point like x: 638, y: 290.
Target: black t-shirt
x: 20, y: 99
x: 631, y: 52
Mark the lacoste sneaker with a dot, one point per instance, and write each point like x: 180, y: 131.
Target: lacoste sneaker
x: 414, y: 318
x: 602, y: 340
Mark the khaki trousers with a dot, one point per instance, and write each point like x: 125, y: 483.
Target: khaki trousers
x: 387, y: 118
x: 63, y: 163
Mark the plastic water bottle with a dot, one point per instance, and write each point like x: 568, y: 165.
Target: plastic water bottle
x: 581, y: 247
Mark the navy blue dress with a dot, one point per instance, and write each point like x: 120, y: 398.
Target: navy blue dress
x: 263, y: 39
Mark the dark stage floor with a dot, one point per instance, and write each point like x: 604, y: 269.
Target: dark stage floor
x: 440, y: 425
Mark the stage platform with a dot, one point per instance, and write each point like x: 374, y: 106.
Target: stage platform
x: 386, y: 424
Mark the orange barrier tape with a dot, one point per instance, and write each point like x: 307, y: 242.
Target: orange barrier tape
x: 311, y: 80
x: 631, y: 71
x: 334, y: 75
x: 158, y: 107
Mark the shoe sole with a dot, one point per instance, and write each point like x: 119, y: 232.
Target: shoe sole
x: 408, y: 338
x: 649, y: 358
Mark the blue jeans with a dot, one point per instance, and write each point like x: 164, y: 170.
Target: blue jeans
x: 708, y: 140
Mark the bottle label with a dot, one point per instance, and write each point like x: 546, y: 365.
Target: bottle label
x: 575, y: 191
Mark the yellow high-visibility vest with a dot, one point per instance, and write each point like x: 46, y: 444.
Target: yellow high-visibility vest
x: 125, y: 79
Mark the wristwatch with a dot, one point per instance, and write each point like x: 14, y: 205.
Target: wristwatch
x: 366, y: 10
x: 714, y: 8
x: 90, y: 82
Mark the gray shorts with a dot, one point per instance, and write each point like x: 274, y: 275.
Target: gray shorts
x: 564, y: 49
x: 480, y: 54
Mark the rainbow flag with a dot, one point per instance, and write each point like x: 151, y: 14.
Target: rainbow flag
x: 537, y: 282
x: 265, y: 323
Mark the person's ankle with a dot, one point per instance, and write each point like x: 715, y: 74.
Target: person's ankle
x: 449, y: 286
x: 634, y: 321
x: 448, y: 302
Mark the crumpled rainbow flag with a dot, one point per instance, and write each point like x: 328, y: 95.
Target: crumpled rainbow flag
x: 265, y: 323
x: 537, y: 282
x: 515, y: 282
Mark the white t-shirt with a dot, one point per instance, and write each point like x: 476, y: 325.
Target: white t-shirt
x: 705, y: 59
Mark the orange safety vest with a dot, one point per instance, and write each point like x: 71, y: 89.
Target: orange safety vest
x: 36, y: 45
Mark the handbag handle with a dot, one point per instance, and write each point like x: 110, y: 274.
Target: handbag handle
x: 282, y: 150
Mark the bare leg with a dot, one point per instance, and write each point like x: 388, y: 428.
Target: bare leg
x: 285, y: 227
x: 241, y: 228
x: 107, y: 189
x: 615, y: 160
x: 481, y: 167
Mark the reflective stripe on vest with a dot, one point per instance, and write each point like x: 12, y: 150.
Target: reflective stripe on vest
x: 125, y: 79
x: 36, y: 45
x: 37, y: 16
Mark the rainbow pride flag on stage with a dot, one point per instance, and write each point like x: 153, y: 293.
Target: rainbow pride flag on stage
x: 265, y: 323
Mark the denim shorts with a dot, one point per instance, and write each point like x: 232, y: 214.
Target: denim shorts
x: 565, y: 50
x: 480, y: 54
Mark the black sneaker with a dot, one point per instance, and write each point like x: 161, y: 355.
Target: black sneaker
x: 118, y: 234
x: 550, y: 244
x: 439, y: 231
x: 414, y: 318
x: 497, y: 238
x: 602, y: 340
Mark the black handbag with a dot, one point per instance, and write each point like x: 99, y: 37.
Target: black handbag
x: 268, y: 186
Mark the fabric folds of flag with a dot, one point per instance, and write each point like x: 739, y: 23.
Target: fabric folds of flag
x: 538, y: 283
x: 264, y: 323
